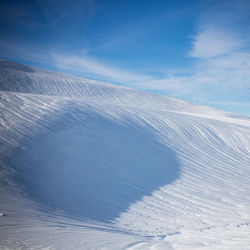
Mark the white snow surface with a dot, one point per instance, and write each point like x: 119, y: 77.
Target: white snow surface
x: 91, y: 165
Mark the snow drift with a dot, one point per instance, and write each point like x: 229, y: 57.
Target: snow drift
x: 94, y: 168
x: 90, y: 165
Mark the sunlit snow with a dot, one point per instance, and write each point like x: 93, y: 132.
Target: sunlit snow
x: 90, y: 165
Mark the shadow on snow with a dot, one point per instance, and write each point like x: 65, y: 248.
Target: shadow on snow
x: 94, y: 168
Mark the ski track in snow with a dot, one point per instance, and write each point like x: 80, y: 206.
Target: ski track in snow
x: 90, y: 165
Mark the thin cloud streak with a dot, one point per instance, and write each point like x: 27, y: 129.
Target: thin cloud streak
x: 211, y: 43
x: 88, y: 65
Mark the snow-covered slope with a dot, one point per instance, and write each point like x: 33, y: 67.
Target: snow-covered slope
x: 90, y: 165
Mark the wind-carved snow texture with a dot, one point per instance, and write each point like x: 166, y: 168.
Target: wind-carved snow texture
x: 90, y: 165
x: 94, y: 168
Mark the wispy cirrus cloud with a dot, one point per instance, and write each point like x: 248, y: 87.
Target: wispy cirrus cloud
x: 90, y: 66
x: 210, y: 42
x: 222, y: 53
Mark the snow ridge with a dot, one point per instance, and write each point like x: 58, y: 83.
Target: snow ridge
x: 90, y: 165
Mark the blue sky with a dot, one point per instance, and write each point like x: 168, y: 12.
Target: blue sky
x: 193, y: 50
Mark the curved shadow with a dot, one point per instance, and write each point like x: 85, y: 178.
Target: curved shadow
x: 95, y: 168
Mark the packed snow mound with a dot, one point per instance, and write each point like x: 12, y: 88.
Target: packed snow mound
x: 90, y: 165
